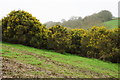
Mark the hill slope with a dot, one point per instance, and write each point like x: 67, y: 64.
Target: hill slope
x: 111, y: 24
x: 27, y: 62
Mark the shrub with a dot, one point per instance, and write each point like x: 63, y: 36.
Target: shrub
x: 21, y: 27
x: 98, y: 42
x: 101, y: 43
x: 76, y: 35
x: 59, y: 38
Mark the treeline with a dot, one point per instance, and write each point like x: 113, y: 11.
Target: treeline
x: 86, y: 22
x: 21, y: 27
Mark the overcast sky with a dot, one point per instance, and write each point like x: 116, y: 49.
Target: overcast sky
x: 55, y: 10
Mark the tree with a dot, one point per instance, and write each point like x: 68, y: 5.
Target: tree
x: 74, y: 18
x: 104, y: 15
x: 63, y: 20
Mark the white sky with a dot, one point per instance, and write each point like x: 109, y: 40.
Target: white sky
x: 55, y: 10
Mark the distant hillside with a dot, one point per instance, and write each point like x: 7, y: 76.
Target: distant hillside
x: 26, y: 62
x: 86, y: 23
x: 112, y: 24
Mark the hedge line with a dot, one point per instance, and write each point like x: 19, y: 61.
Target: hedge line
x: 22, y: 28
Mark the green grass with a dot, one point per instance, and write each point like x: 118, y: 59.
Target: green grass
x: 59, y: 65
x: 111, y: 24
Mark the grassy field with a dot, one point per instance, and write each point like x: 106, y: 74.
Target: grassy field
x: 112, y: 24
x: 26, y: 62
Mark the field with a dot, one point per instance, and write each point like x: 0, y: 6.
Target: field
x: 111, y: 24
x: 26, y: 62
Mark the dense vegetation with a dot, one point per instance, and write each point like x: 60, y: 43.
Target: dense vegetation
x: 98, y: 42
x: 21, y: 27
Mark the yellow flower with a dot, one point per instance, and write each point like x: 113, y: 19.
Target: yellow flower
x: 8, y: 27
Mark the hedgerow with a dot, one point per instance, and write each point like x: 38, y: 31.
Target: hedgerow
x: 59, y: 38
x: 98, y: 42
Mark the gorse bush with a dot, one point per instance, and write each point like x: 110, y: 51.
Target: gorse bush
x: 98, y: 42
x: 76, y: 35
x: 101, y: 43
x: 21, y: 27
x: 59, y: 38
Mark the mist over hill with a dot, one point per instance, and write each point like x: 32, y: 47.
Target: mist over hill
x: 86, y: 22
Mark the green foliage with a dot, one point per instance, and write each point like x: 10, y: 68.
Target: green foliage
x: 76, y: 40
x: 104, y: 15
x: 98, y: 42
x: 21, y: 27
x: 101, y: 43
x: 59, y: 38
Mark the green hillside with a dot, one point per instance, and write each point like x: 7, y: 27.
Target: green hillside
x: 26, y: 62
x: 112, y: 24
